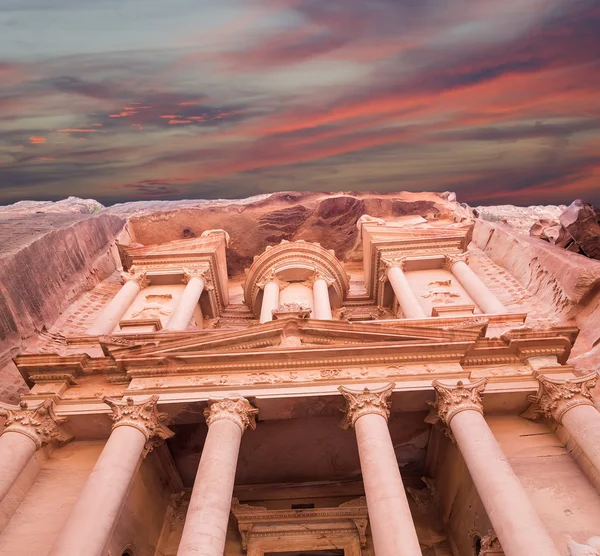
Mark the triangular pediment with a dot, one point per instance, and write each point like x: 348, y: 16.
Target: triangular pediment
x: 292, y: 334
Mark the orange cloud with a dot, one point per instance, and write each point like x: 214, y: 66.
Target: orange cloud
x: 37, y: 140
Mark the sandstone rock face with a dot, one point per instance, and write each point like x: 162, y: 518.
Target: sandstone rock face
x: 47, y: 260
x: 254, y: 223
x: 582, y: 222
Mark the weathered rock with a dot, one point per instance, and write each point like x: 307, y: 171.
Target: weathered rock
x: 47, y: 260
x: 582, y: 222
x: 255, y: 223
x: 551, y: 231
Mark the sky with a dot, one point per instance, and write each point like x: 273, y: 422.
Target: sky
x: 119, y: 100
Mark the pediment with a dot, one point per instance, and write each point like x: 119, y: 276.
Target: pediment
x: 292, y: 334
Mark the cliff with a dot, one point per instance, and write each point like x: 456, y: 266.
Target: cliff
x: 52, y: 252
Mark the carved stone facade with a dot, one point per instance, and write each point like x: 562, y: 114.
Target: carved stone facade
x: 237, y: 410
x: 556, y: 397
x: 202, y: 401
x: 40, y: 422
x: 452, y: 399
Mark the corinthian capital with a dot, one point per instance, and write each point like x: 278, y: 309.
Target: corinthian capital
x: 451, y: 260
x: 142, y: 415
x: 452, y: 399
x: 320, y: 275
x: 236, y: 409
x: 138, y: 276
x: 555, y: 397
x: 270, y: 276
x: 366, y: 402
x: 39, y: 423
x: 202, y: 273
x: 386, y: 263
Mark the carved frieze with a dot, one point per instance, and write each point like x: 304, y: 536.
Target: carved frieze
x: 452, y: 399
x: 39, y: 423
x: 257, y: 523
x: 142, y: 415
x: 555, y: 397
x: 365, y: 403
x: 236, y: 409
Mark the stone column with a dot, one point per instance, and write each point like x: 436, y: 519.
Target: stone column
x: 137, y: 429
x: 322, y: 304
x: 270, y: 300
x: 392, y: 525
x: 570, y: 403
x: 392, y: 269
x: 206, y: 521
x: 26, y: 430
x: 486, y: 301
x: 133, y: 283
x: 519, y: 528
x: 195, y: 281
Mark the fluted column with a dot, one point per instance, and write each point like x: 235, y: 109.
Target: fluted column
x: 322, y: 304
x: 210, y: 504
x: 570, y: 403
x: 270, y: 300
x: 137, y: 428
x: 133, y: 283
x: 392, y: 270
x: 25, y: 431
x: 518, y: 526
x: 195, y: 281
x: 392, y: 525
x: 486, y: 301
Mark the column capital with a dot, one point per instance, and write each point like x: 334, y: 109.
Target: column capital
x: 366, y: 402
x: 236, y: 409
x: 386, y: 263
x: 454, y: 398
x: 202, y: 273
x: 39, y: 423
x: 320, y: 275
x: 555, y: 397
x: 138, y: 276
x: 451, y: 260
x: 270, y: 276
x: 142, y: 415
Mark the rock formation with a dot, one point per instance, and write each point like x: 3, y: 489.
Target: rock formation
x: 54, y: 251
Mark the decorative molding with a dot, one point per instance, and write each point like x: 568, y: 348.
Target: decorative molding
x: 291, y: 311
x: 366, y: 402
x: 236, y: 409
x: 256, y: 523
x: 555, y: 397
x: 452, y: 399
x: 452, y: 259
x: 142, y: 415
x: 138, y: 276
x: 39, y: 423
